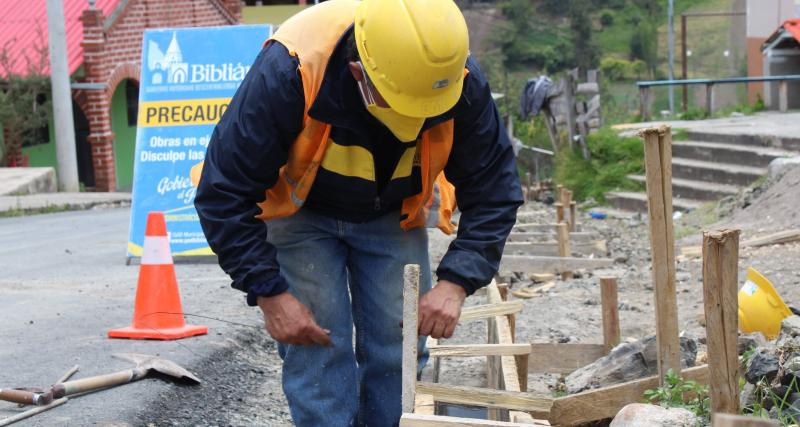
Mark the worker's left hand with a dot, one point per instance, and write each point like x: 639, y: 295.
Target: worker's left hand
x: 440, y: 308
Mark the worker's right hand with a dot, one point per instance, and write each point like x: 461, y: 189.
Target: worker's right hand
x: 289, y: 321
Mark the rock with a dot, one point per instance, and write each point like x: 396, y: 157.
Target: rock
x: 747, y: 397
x: 644, y: 415
x: 791, y: 371
x: 626, y: 362
x: 781, y: 165
x: 753, y: 340
x: 790, y: 332
x: 762, y: 364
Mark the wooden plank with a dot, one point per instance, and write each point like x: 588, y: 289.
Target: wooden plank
x: 424, y: 404
x: 588, y: 88
x: 609, y: 303
x: 562, y: 234
x: 477, y: 396
x: 526, y: 293
x: 526, y: 226
x: 471, y: 350
x: 720, y: 289
x: 785, y: 236
x: 658, y: 168
x: 545, y: 264
x: 597, y: 248
x: 410, y: 337
x: 418, y: 420
x: 728, y: 420
x: 437, y: 361
x: 552, y: 358
x: 484, y: 311
x: 575, y: 236
x: 508, y: 364
x: 602, y: 403
x: 783, y: 96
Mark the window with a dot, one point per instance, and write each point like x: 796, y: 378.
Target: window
x: 132, y: 101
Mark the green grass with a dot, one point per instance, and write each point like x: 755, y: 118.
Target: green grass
x: 695, y: 221
x: 15, y: 212
x: 613, y: 158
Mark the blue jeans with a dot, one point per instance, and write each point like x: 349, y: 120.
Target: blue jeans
x: 349, y: 275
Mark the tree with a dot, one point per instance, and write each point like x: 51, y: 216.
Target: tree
x: 25, y: 106
x: 585, y: 50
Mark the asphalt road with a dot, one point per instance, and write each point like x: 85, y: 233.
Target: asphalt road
x: 64, y: 283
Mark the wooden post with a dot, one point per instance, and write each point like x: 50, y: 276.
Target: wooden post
x: 727, y: 420
x: 573, y: 216
x: 559, y: 212
x: 608, y: 297
x: 566, y: 200
x: 569, y: 93
x: 783, y: 96
x: 410, y: 337
x: 720, y: 289
x: 644, y: 103
x: 512, y: 318
x: 563, y: 246
x: 658, y: 167
x: 710, y: 98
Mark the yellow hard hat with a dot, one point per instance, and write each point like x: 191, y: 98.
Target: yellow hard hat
x: 761, y: 309
x: 414, y: 52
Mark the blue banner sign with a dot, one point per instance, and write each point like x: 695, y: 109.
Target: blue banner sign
x: 188, y: 78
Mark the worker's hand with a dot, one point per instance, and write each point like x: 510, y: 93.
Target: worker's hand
x: 440, y: 308
x: 290, y: 322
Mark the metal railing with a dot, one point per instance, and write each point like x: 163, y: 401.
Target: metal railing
x: 645, y: 94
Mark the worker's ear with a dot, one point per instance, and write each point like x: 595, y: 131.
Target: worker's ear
x: 355, y: 70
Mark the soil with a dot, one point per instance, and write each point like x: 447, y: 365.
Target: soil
x: 248, y: 372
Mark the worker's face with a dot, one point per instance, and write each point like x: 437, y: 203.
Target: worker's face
x: 369, y: 94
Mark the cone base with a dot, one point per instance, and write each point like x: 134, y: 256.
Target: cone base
x: 164, y: 334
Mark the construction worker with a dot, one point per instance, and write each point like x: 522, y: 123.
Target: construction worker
x: 318, y: 182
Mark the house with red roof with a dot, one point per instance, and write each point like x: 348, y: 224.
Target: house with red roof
x: 781, y: 57
x: 104, y: 43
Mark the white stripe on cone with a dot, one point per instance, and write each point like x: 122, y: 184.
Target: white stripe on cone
x: 156, y: 251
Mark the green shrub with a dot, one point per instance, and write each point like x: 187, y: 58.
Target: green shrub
x: 612, y: 159
x: 616, y: 69
x: 606, y: 18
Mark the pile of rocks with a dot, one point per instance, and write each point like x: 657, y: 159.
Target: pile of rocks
x: 772, y: 372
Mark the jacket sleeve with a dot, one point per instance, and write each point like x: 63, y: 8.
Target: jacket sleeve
x: 483, y: 169
x: 247, y: 149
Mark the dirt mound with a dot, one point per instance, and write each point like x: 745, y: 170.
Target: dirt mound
x: 773, y: 205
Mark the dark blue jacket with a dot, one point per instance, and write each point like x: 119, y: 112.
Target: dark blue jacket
x: 251, y: 143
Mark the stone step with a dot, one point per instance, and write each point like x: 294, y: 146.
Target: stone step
x: 786, y: 143
x: 633, y: 201
x: 19, y: 181
x: 723, y: 173
x: 719, y: 152
x: 695, y: 190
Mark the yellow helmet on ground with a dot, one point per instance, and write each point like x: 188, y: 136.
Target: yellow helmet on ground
x: 761, y: 309
x: 414, y: 52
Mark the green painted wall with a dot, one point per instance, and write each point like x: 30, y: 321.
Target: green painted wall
x: 124, y: 139
x: 43, y: 154
x: 274, y: 14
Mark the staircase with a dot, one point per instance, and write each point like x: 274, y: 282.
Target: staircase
x: 709, y: 166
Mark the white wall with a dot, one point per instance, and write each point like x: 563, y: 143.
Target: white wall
x: 765, y: 16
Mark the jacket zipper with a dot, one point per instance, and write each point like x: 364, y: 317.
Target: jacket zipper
x: 377, y: 203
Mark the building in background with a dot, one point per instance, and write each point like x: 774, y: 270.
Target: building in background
x: 104, y: 43
x: 763, y: 17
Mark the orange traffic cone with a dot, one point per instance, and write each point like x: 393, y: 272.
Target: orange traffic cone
x: 158, y: 313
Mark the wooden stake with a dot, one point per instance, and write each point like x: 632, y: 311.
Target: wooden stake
x: 559, y: 212
x: 410, y: 337
x: 573, y: 216
x: 658, y: 167
x: 608, y: 296
x: 566, y: 200
x: 563, y: 247
x: 720, y: 289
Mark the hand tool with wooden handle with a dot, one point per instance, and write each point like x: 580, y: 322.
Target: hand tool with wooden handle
x: 145, y: 365
x: 26, y: 397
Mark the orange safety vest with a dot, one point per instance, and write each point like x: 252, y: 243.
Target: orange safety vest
x: 311, y: 36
